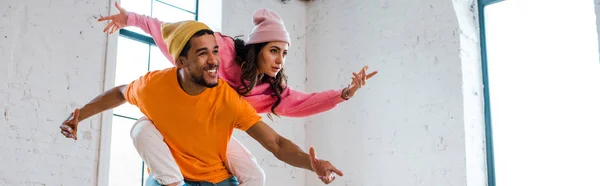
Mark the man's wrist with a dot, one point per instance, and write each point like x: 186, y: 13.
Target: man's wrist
x: 84, y: 113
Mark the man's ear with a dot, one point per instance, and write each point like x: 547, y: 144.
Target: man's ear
x: 180, y: 62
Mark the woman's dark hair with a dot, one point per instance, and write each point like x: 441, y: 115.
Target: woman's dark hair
x: 247, y: 59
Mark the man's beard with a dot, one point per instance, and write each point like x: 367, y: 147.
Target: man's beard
x: 202, y: 82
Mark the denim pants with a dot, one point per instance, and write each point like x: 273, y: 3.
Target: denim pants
x: 228, y: 182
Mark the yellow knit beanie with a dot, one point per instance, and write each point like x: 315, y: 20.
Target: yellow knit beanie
x: 177, y: 34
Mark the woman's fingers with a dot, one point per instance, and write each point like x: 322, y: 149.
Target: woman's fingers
x: 363, y: 75
x: 358, y: 79
x: 119, y: 7
x: 115, y: 28
x: 111, y: 24
x: 371, y: 74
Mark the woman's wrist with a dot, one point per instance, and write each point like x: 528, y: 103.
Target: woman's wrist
x: 345, y: 94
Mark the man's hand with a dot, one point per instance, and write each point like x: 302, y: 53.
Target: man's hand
x: 324, y: 169
x: 288, y: 152
x: 107, y: 100
x: 118, y: 21
x: 69, y: 126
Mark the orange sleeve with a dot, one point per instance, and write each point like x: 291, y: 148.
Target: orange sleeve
x: 132, y: 90
x: 246, y: 115
x: 130, y: 93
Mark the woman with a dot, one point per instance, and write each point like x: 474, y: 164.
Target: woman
x: 255, y: 70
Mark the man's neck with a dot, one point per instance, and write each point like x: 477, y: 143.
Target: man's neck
x: 190, y: 87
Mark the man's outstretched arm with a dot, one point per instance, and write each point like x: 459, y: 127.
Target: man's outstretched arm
x: 288, y: 152
x: 105, y: 101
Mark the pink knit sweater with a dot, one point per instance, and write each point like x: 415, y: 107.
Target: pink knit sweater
x: 293, y: 103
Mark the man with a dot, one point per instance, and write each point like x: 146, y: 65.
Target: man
x: 196, y: 111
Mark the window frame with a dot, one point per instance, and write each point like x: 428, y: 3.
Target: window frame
x: 106, y: 118
x: 489, y: 145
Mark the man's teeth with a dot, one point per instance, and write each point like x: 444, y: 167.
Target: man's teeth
x: 212, y: 71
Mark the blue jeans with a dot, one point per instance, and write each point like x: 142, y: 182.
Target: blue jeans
x: 228, y: 182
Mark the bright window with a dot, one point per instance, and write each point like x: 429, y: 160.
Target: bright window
x: 543, y: 74
x: 136, y: 55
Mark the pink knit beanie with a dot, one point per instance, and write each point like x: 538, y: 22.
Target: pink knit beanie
x: 268, y: 27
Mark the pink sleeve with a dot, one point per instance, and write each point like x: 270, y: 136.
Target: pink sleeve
x: 299, y: 104
x: 150, y: 26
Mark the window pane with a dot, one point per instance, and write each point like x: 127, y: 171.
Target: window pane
x: 158, y: 61
x: 142, y: 7
x: 132, y: 62
x: 167, y: 13
x: 543, y: 70
x: 210, y: 13
x: 189, y: 5
x: 125, y: 162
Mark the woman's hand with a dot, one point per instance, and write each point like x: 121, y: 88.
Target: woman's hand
x: 358, y: 81
x: 118, y: 21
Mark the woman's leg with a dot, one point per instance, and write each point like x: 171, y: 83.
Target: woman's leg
x: 243, y: 165
x: 150, y: 144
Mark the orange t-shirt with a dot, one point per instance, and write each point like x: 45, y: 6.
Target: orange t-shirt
x: 196, y: 128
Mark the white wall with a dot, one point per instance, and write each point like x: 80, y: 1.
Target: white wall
x: 52, y: 56
x: 414, y: 132
x: 472, y: 87
x: 237, y: 20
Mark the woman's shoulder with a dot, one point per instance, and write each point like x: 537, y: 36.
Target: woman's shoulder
x: 223, y: 39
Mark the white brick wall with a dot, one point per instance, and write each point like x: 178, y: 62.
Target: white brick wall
x: 52, y: 60
x: 414, y: 132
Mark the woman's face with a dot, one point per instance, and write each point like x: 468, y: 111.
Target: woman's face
x: 272, y: 57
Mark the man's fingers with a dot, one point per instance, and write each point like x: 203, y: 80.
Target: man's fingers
x: 76, y: 114
x: 69, y: 135
x: 66, y: 128
x: 74, y: 131
x: 328, y: 179
x: 312, y: 153
x: 337, y: 171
